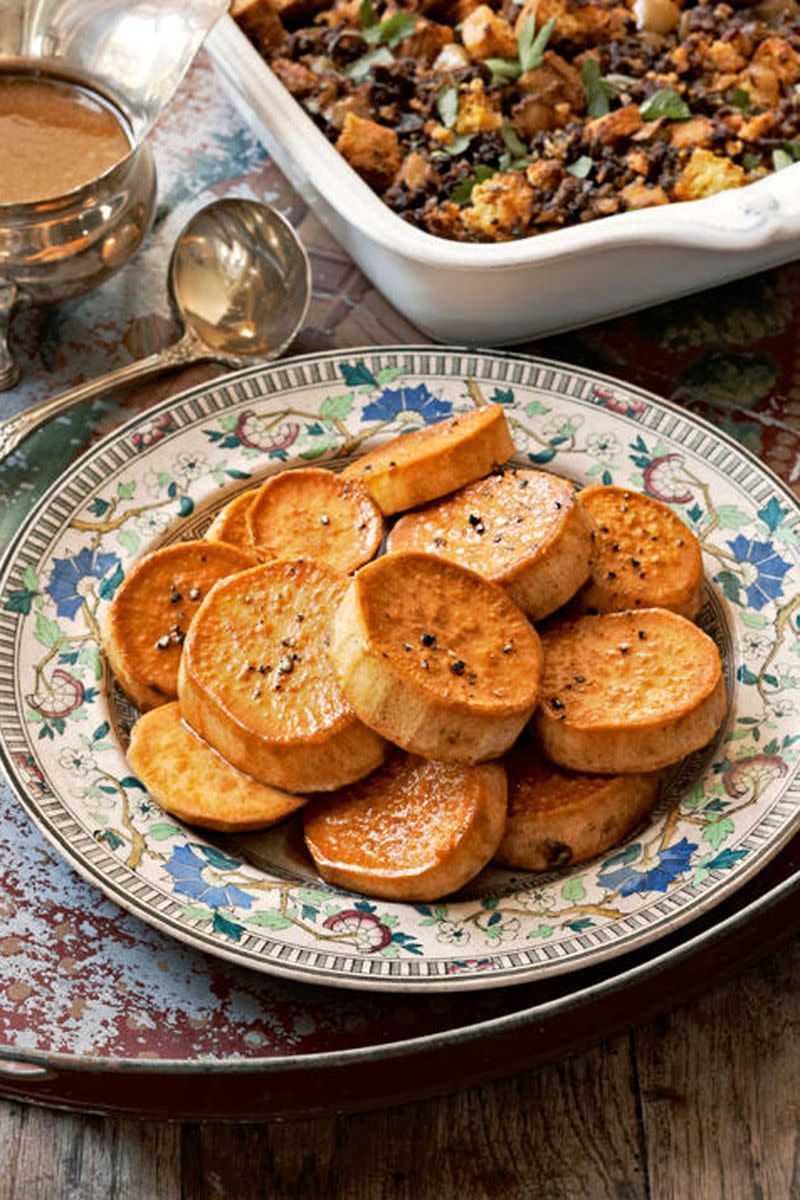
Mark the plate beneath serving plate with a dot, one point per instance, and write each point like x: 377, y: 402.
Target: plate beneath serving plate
x: 255, y: 899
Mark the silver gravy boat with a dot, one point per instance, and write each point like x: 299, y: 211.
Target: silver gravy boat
x: 134, y: 53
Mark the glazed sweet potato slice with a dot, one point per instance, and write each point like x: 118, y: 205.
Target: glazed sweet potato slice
x: 148, y: 619
x: 417, y: 467
x: 230, y: 525
x: 436, y: 658
x: 644, y: 555
x: 413, y: 830
x: 193, y: 782
x: 558, y: 818
x: 257, y: 683
x: 628, y: 692
x: 521, y: 529
x: 313, y: 513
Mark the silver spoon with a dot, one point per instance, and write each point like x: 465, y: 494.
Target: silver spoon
x: 239, y: 281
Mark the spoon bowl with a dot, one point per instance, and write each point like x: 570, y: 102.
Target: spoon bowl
x: 239, y: 283
x: 240, y: 280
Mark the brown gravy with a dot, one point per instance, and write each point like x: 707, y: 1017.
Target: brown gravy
x: 54, y: 137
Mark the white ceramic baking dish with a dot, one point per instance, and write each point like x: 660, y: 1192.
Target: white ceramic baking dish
x: 500, y: 294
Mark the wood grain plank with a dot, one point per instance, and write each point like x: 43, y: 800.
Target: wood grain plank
x: 563, y: 1132
x: 49, y: 1155
x: 718, y: 1116
x: 720, y: 1088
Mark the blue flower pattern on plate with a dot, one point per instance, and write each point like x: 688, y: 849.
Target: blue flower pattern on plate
x: 770, y: 569
x: 672, y: 863
x: 69, y: 572
x: 186, y: 868
x: 394, y: 401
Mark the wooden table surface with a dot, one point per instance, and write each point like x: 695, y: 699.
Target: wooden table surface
x: 701, y: 1104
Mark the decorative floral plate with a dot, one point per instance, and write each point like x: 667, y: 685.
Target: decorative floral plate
x: 256, y: 899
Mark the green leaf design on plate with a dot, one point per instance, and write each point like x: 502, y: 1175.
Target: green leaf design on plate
x: 270, y: 919
x: 536, y: 409
x: 731, y: 516
x: 108, y: 587
x: 129, y: 540
x: 695, y: 797
x: 30, y: 579
x: 20, y: 601
x: 48, y: 633
x: 223, y: 924
x: 337, y: 407
x: 731, y: 585
x: 89, y: 656
x: 754, y: 620
x: 163, y: 830
x: 194, y: 913
x: 716, y: 832
x: 542, y: 931
x: 574, y: 889
x: 388, y: 375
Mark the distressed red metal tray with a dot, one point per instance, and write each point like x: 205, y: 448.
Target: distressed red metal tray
x: 101, y: 1013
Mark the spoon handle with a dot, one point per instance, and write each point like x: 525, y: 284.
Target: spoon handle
x: 16, y: 429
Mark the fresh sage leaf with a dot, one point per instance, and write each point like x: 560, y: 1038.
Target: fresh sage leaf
x: 781, y: 159
x: 360, y: 69
x: 525, y: 40
x: 507, y: 163
x: 367, y: 16
x: 793, y: 149
x: 534, y: 57
x: 665, y: 103
x: 504, y: 70
x: 750, y: 161
x: 531, y: 45
x: 447, y: 106
x: 514, y: 144
x: 458, y: 145
x: 581, y: 168
x: 462, y: 193
x: 619, y: 83
x: 595, y: 87
x: 397, y: 27
x: 741, y: 98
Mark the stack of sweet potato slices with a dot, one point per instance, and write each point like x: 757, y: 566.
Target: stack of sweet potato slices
x: 506, y: 681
